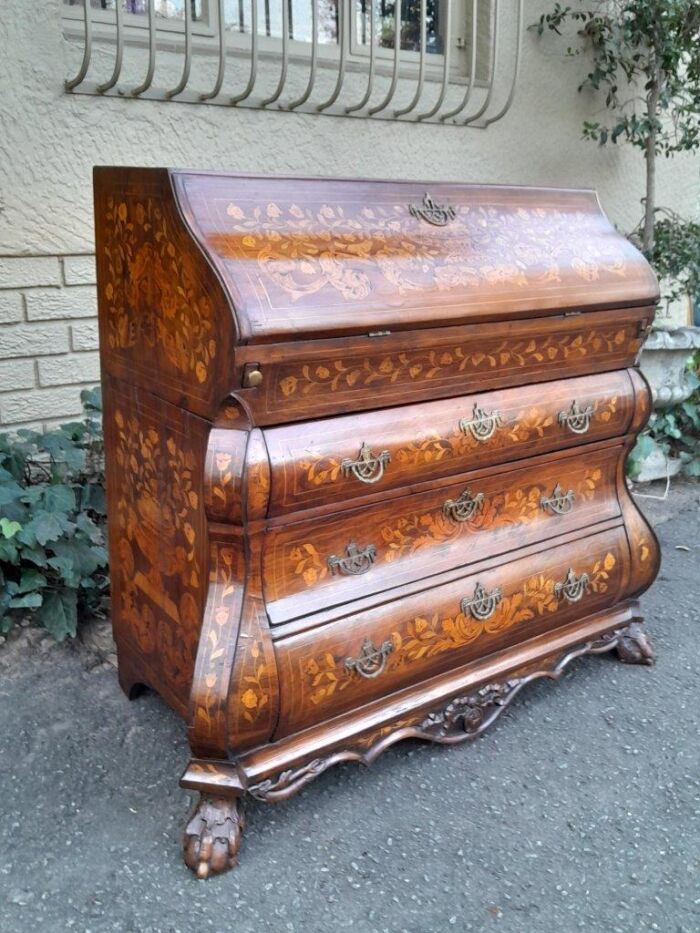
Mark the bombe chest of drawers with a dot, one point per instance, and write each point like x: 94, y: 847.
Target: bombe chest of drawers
x: 365, y: 460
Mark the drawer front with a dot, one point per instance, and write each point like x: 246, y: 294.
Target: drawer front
x: 322, y: 378
x: 326, y: 562
x: 342, y: 459
x: 330, y: 669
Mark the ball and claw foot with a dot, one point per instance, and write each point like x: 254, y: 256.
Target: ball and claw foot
x: 213, y: 835
x: 634, y: 646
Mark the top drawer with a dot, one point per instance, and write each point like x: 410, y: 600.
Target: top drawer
x: 339, y: 460
x: 313, y: 379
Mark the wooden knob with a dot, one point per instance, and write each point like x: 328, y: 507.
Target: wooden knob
x: 252, y: 377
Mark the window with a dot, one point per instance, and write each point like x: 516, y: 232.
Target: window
x: 238, y: 22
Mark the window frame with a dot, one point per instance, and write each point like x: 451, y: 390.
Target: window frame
x: 205, y: 39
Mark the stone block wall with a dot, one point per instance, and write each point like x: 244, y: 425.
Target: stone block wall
x: 48, y: 338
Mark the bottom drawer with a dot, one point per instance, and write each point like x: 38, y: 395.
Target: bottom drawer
x: 340, y: 666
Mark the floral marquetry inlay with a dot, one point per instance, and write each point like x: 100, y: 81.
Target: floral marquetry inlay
x: 351, y: 251
x: 154, y: 299
x: 491, y: 356
x: 426, y: 637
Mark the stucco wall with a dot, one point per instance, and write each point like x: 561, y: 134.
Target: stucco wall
x: 50, y: 140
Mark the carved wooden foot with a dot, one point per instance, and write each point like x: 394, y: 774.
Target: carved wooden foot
x: 213, y: 835
x: 634, y: 646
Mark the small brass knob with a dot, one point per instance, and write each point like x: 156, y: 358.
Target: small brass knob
x: 252, y: 377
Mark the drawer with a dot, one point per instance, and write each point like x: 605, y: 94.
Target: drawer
x: 313, y: 379
x: 335, y: 461
x: 325, y: 562
x: 332, y: 668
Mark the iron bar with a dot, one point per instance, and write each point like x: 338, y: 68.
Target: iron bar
x: 516, y: 70
x: 314, y: 58
x: 87, y: 49
x: 445, y: 69
x: 472, y: 69
x: 370, y: 73
x: 187, y: 64
x: 221, y: 26
x: 492, y: 70
x: 148, y: 80
x: 397, y: 62
x: 248, y: 90
x: 341, y: 61
x: 421, y: 66
x: 119, y: 52
x: 285, y: 57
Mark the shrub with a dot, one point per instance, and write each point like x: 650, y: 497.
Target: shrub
x: 53, y: 561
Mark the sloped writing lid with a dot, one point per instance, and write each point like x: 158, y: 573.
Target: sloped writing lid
x: 318, y: 257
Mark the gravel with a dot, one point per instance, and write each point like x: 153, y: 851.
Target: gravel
x: 580, y: 809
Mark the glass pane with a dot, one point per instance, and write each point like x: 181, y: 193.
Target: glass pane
x: 237, y: 13
x: 436, y: 13
x: 165, y: 9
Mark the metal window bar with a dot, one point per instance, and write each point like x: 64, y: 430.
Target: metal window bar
x: 413, y: 78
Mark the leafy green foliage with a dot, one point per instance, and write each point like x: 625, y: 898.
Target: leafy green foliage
x: 675, y: 431
x: 676, y: 255
x: 646, y: 61
x: 53, y: 561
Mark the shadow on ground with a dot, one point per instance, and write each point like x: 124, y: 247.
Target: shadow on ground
x: 580, y: 809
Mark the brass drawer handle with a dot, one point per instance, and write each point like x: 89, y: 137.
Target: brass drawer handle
x: 578, y: 421
x: 573, y: 587
x: 482, y: 424
x: 367, y: 468
x: 356, y: 561
x: 483, y: 604
x: 465, y: 507
x: 439, y: 215
x: 371, y: 661
x: 559, y: 502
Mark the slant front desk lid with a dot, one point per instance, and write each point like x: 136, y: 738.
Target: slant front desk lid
x: 308, y: 258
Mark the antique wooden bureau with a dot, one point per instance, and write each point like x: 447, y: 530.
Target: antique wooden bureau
x: 365, y: 450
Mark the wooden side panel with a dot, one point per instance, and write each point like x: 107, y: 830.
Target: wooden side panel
x: 427, y: 633
x: 157, y: 536
x: 424, y: 442
x: 165, y: 322
x: 412, y: 537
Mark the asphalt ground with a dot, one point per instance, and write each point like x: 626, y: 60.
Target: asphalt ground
x: 578, y: 810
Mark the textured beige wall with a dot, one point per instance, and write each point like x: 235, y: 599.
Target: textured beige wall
x: 49, y: 142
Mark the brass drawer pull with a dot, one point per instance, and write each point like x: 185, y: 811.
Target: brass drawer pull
x: 482, y: 424
x: 578, y: 421
x: 465, y: 507
x: 483, y: 604
x: 371, y: 661
x: 357, y: 560
x: 573, y: 587
x: 439, y: 215
x: 367, y: 468
x: 559, y: 502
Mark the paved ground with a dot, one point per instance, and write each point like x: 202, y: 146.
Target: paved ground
x: 579, y: 810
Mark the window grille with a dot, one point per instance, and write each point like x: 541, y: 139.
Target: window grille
x: 435, y: 61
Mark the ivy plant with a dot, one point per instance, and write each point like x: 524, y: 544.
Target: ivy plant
x: 53, y: 561
x: 675, y: 431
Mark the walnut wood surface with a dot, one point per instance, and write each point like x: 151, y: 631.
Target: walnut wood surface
x: 426, y: 442
x: 414, y: 537
x: 428, y: 632
x: 306, y: 387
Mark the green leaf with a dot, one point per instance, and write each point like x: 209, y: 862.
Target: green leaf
x: 66, y: 568
x: 27, y: 601
x: 59, y: 613
x: 31, y: 580
x: 44, y: 527
x: 59, y: 498
x: 9, y: 529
